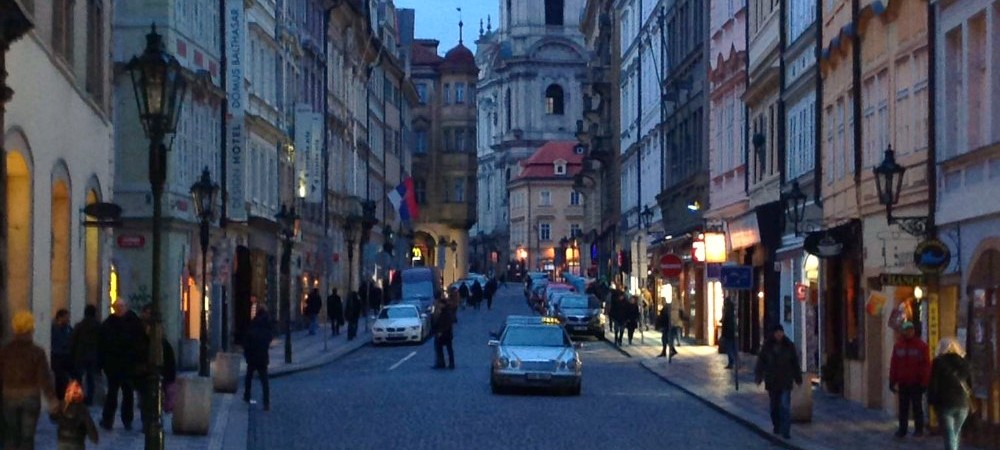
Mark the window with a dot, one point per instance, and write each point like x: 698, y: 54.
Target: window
x: 420, y: 191
x: 420, y: 146
x: 560, y: 167
x: 575, y: 230
x: 460, y: 142
x: 506, y: 106
x: 458, y: 190
x: 554, y: 100
x: 447, y: 94
x: 422, y: 93
x: 62, y: 29
x: 575, y: 198
x: 545, y: 198
x: 553, y: 12
x: 95, y: 50
x: 544, y: 231
x: 459, y: 93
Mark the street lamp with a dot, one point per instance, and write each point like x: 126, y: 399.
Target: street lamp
x: 350, y: 239
x: 795, y: 205
x: 647, y: 217
x: 159, y: 87
x: 889, y: 183
x: 204, y: 192
x: 288, y: 220
x: 454, y: 256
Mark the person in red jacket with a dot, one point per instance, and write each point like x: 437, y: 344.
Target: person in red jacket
x: 909, y: 373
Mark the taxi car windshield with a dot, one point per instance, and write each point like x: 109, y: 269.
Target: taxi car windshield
x: 397, y: 313
x: 535, y: 336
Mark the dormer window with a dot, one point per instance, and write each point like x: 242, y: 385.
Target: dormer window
x: 560, y: 167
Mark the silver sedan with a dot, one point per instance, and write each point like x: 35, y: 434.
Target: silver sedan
x: 535, y: 355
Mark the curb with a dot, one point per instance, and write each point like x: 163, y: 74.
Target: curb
x: 620, y: 350
x: 319, y: 362
x: 736, y: 418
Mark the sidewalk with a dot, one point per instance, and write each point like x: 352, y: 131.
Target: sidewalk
x: 230, y: 415
x: 836, y: 423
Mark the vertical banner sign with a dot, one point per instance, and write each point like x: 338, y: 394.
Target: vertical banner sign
x: 303, y: 141
x: 314, y: 171
x: 235, y: 126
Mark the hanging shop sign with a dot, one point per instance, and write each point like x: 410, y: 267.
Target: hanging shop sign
x: 801, y: 291
x: 932, y: 256
x: 823, y: 244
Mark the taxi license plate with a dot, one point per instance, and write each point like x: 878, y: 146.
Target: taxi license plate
x: 539, y: 376
x: 580, y: 327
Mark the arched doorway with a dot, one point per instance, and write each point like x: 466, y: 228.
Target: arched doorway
x: 983, y: 312
x: 59, y: 262
x: 19, y: 243
x: 92, y: 258
x: 424, y: 251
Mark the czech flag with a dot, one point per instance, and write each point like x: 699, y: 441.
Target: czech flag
x: 404, y: 199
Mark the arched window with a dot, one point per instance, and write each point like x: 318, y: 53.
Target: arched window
x: 553, y: 12
x: 554, y: 100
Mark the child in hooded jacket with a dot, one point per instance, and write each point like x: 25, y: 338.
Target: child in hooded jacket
x: 73, y: 421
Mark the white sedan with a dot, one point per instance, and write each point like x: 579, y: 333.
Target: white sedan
x: 400, y: 323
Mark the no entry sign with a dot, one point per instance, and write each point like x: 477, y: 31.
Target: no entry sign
x: 671, y: 266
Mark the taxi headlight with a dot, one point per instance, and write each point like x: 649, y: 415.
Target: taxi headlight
x: 562, y: 365
x: 502, y: 362
x: 514, y: 364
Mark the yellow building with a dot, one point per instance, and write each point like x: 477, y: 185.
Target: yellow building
x: 545, y: 208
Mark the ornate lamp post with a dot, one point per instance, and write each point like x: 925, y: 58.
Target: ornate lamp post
x: 647, y: 217
x: 454, y: 257
x: 350, y: 239
x: 159, y: 87
x: 889, y: 183
x: 795, y: 205
x: 288, y: 220
x: 204, y: 192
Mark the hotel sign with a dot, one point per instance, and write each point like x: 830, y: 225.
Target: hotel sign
x: 236, y: 135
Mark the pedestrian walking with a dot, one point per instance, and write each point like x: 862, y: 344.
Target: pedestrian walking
x: 145, y: 369
x: 463, y: 293
x: 444, y: 329
x: 949, y: 391
x: 777, y: 367
x: 729, y: 331
x: 618, y: 316
x: 122, y: 348
x: 491, y: 290
x: 632, y: 317
x: 24, y: 372
x: 83, y: 345
x: 909, y: 372
x: 677, y: 318
x: 645, y: 309
x: 257, y: 356
x: 477, y: 294
x: 334, y: 312
x: 60, y: 357
x: 313, y: 305
x: 73, y: 422
x: 352, y: 312
x: 665, y: 325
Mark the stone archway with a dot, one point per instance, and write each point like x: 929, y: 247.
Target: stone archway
x: 983, y: 315
x: 424, y: 247
x: 19, y: 237
x: 59, y: 256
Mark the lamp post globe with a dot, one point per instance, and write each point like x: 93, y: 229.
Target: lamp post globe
x: 159, y: 85
x: 647, y: 216
x: 795, y: 205
x: 203, y: 192
x: 889, y: 180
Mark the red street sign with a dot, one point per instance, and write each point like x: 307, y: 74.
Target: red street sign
x: 131, y: 241
x: 801, y: 292
x: 671, y: 266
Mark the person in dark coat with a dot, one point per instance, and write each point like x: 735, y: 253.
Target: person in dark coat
x: 144, y: 370
x: 618, y: 315
x: 83, y: 345
x: 950, y: 390
x: 122, y: 349
x: 444, y: 331
x: 26, y: 379
x: 463, y: 294
x: 728, y: 334
x: 778, y: 367
x: 335, y: 312
x: 476, y: 293
x: 352, y: 312
x: 256, y: 352
x: 60, y: 356
x: 664, y: 323
x: 314, y: 303
x: 632, y: 314
x: 491, y: 290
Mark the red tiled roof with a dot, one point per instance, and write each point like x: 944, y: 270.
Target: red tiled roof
x: 424, y: 55
x: 460, y: 55
x: 541, y: 164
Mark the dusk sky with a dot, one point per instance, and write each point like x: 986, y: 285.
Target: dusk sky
x: 438, y: 19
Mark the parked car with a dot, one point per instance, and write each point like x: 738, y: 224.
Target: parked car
x: 581, y: 314
x: 400, y: 323
x: 535, y: 355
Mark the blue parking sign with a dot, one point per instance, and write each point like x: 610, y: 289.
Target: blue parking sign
x: 737, y: 277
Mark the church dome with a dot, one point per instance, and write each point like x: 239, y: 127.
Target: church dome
x: 460, y: 56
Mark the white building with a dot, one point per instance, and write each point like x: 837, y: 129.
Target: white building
x: 529, y: 92
x: 58, y: 152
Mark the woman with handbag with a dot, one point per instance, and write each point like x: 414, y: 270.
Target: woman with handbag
x: 950, y: 390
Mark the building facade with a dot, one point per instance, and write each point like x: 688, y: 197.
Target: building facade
x: 444, y: 158
x: 52, y: 260
x: 546, y: 208
x: 532, y: 69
